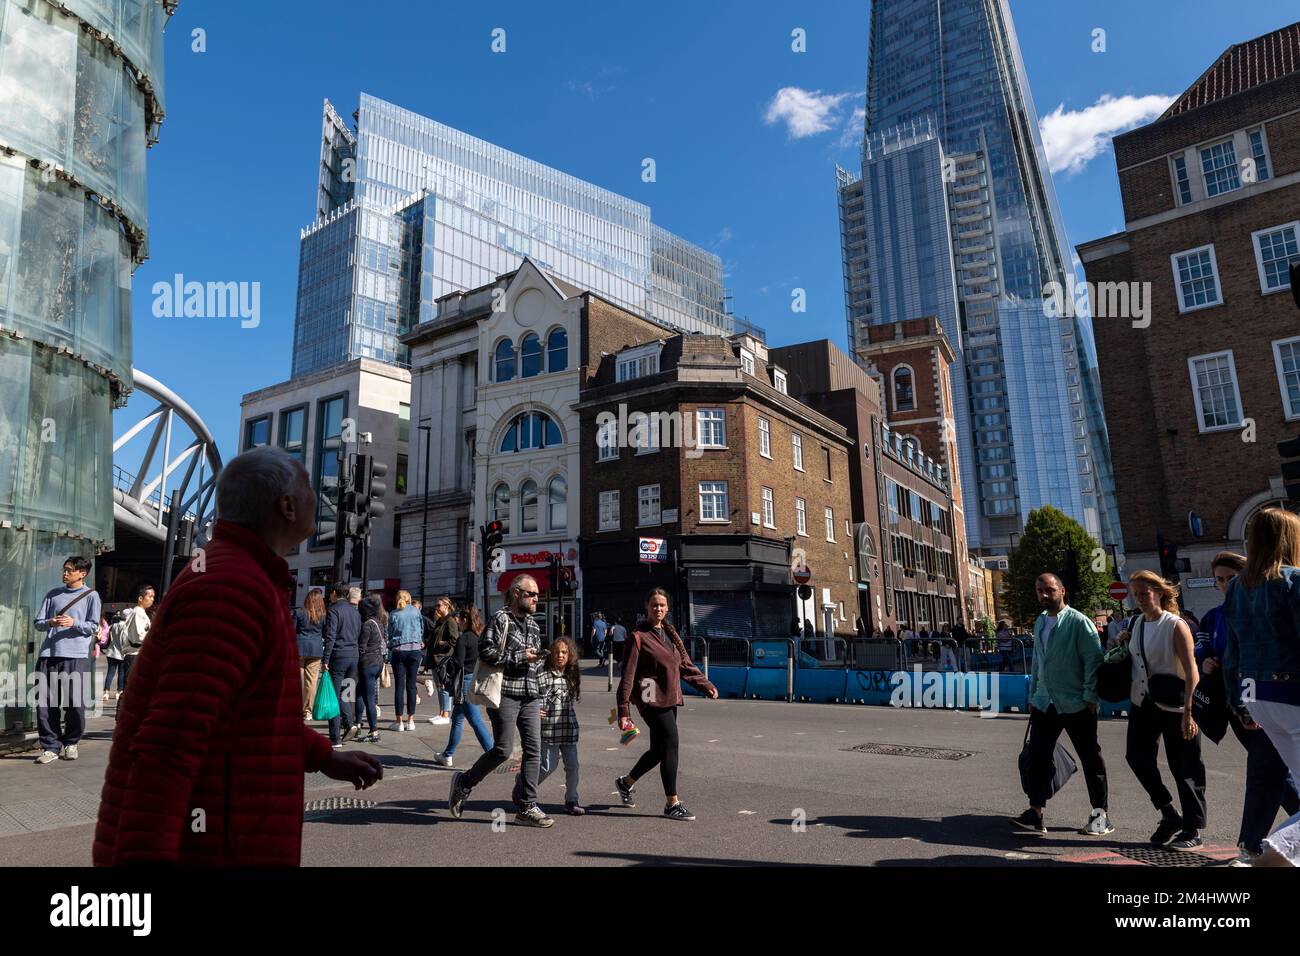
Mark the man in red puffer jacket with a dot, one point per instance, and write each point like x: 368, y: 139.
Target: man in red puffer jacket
x: 209, y: 753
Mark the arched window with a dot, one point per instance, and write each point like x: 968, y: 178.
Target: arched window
x: 530, y: 430
x: 501, y: 506
x: 531, y: 353
x: 505, y: 360
x: 904, y: 399
x: 528, y: 506
x: 557, y: 492
x: 557, y: 348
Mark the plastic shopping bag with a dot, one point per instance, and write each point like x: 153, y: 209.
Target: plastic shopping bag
x: 326, y: 704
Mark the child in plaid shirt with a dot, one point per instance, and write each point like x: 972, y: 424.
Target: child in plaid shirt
x: 558, y: 683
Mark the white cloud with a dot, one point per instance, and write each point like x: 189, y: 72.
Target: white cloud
x: 1072, y: 140
x: 853, y: 129
x: 805, y: 113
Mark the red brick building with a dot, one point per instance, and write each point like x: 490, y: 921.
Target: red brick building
x: 738, y: 478
x: 1201, y: 375
x: 893, y: 551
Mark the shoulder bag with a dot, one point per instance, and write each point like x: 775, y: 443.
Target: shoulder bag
x: 1167, y: 691
x: 485, y: 688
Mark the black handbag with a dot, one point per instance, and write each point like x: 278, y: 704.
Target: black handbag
x: 1165, y: 690
x: 1063, y: 766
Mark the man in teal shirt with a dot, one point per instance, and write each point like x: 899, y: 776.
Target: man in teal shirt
x: 1063, y: 696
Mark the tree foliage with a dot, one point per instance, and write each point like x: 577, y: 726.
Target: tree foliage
x: 1050, y: 538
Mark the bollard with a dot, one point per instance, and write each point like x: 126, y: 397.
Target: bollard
x: 609, y: 686
x: 706, y: 662
x: 789, y: 680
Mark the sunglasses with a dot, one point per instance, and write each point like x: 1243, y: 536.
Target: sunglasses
x: 530, y: 593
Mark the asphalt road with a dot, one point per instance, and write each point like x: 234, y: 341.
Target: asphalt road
x: 770, y: 783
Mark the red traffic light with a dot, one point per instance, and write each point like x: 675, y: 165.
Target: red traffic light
x: 494, y: 527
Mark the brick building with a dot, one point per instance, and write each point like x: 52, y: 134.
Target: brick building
x: 825, y: 378
x: 738, y: 477
x: 1198, y: 389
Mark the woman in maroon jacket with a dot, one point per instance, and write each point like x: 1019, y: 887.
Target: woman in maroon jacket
x: 655, y: 663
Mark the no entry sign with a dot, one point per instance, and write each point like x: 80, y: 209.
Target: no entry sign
x: 1119, y: 591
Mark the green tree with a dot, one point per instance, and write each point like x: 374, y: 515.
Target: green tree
x: 1050, y: 540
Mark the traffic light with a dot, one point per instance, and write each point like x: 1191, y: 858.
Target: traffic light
x: 554, y: 570
x: 1170, y: 563
x: 370, y: 490
x: 1290, y: 452
x: 491, y: 533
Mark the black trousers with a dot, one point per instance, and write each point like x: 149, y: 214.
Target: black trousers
x: 1147, y: 724
x: 1045, y: 728
x: 662, y: 724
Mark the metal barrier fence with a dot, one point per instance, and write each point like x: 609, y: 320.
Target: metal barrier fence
x: 823, y: 652
x: 1004, y: 661
x: 883, y: 654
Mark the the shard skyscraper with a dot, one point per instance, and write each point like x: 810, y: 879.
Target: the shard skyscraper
x: 954, y: 215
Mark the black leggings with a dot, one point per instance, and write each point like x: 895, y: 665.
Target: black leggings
x: 662, y: 723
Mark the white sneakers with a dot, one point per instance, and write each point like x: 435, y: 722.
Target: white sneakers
x: 69, y: 753
x: 428, y: 687
x: 437, y: 720
x: 400, y: 726
x: 410, y: 724
x: 47, y: 756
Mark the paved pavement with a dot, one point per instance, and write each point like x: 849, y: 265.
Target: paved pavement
x: 770, y: 782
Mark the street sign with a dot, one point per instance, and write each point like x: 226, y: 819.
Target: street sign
x: 473, y: 555
x: 1118, y: 591
x: 653, y: 549
x: 1194, y: 524
x: 1198, y: 583
x: 802, y: 574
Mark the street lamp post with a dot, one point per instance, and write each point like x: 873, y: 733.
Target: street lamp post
x: 424, y: 526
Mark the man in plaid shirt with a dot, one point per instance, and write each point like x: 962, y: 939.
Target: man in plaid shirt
x: 513, y: 640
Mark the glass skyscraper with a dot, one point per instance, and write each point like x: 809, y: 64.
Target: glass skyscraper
x: 81, y: 97
x: 409, y: 210
x: 954, y: 215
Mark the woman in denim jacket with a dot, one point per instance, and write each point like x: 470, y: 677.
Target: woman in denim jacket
x: 1261, y: 662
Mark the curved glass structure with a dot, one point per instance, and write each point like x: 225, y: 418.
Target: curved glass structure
x: 81, y: 98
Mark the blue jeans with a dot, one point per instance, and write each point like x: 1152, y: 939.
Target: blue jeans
x: 369, y: 689
x: 551, y: 756
x: 406, y: 667
x: 459, y: 714
x: 116, y: 668
x: 65, y: 684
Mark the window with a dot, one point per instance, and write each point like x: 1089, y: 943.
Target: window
x: 796, y: 449
x: 644, y: 427
x: 712, y: 427
x: 329, y: 424
x: 1274, y: 250
x: 404, y: 421
x: 830, y: 524
x: 778, y: 381
x: 637, y: 366
x: 713, y: 501
x: 891, y: 497
x: 557, y: 498
x: 528, y: 506
x: 505, y: 361
x: 801, y: 516
x: 400, y: 480
x: 647, y: 505
x: 530, y: 353
x: 293, y: 429
x: 257, y: 431
x: 529, y: 431
x: 1219, y: 164
x: 557, y: 351
x: 501, y: 506
x: 1196, y: 277
x: 826, y: 454
x: 904, y: 400
x: 607, y: 442
x: 765, y: 438
x: 1214, y: 389
x: 1257, y: 153
x: 769, y: 509
x: 747, y: 361
x: 1181, y: 179
x: 914, y: 501
x: 609, y: 511
x: 1286, y: 355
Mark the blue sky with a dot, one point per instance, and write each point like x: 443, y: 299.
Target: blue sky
x: 592, y: 89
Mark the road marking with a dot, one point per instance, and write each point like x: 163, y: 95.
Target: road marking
x: 748, y: 812
x: 611, y: 748
x: 799, y: 733
x: 1018, y: 856
x: 713, y: 741
x: 758, y: 736
x: 841, y: 731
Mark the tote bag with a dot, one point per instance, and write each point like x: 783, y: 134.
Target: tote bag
x: 485, y: 688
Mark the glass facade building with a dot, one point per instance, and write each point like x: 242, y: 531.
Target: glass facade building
x: 409, y: 210
x: 81, y: 97
x: 950, y: 122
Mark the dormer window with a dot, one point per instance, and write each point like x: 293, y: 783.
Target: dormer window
x: 778, y: 381
x: 638, y: 362
x: 747, y: 361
